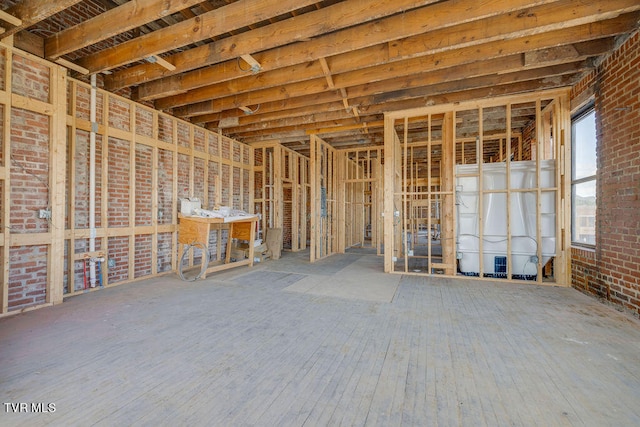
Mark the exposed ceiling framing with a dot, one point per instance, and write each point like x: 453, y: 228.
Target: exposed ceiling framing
x: 265, y: 70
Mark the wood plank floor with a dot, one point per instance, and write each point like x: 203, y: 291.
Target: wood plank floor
x: 241, y: 349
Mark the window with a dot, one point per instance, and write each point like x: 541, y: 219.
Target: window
x: 583, y: 179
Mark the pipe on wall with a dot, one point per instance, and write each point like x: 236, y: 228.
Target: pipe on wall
x: 92, y: 181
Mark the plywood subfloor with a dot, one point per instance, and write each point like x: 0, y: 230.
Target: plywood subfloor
x: 242, y: 348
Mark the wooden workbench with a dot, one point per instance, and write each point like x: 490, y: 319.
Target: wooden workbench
x: 195, y: 229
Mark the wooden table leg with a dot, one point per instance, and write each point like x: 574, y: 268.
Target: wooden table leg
x: 229, y: 241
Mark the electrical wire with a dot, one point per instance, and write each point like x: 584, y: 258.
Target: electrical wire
x: 205, y: 260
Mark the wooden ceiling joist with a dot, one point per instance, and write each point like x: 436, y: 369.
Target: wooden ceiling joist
x: 385, y: 30
x: 10, y: 19
x: 254, y: 65
x: 411, y: 100
x: 414, y: 66
x: 70, y: 65
x: 155, y: 59
x: 454, y: 55
x: 121, y: 19
x: 500, y: 28
x: 304, y: 27
x: 30, y: 12
x: 261, y: 70
x: 208, y: 25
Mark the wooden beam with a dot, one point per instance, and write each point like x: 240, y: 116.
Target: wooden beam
x: 281, y: 126
x: 501, y: 27
x: 443, y: 60
x: 207, y: 25
x: 29, y: 42
x: 116, y: 21
x: 377, y: 124
x: 57, y: 177
x: 30, y: 12
x: 70, y: 65
x: 10, y: 19
x: 255, y: 65
x: 155, y: 59
x: 555, y: 54
x: 303, y: 27
x: 327, y: 72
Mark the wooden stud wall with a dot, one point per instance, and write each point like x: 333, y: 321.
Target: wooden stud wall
x: 279, y: 170
x: 176, y: 160
x: 32, y: 104
x: 145, y: 162
x: 325, y: 176
x: 360, y: 198
x: 5, y: 176
x: 551, y: 124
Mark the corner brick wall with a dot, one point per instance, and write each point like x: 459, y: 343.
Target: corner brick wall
x: 612, y: 270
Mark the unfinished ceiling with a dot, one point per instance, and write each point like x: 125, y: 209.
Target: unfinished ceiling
x: 280, y: 70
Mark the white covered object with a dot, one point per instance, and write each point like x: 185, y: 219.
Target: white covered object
x: 523, y: 215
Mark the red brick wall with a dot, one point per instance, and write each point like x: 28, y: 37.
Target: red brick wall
x: 143, y: 184
x: 198, y: 179
x: 27, y: 276
x: 183, y: 135
x: 165, y: 129
x: 246, y: 193
x: 225, y: 183
x: 164, y: 252
x: 29, y: 170
x: 119, y: 114
x: 287, y: 195
x: 119, y: 252
x: 213, y: 145
x: 612, y: 270
x: 30, y: 79
x: 144, y: 122
x: 183, y: 177
x: 118, y: 183
x: 143, y: 252
x: 198, y: 140
x: 165, y: 186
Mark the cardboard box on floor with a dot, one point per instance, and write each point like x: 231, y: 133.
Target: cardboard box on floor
x: 271, y: 248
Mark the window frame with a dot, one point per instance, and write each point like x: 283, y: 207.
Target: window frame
x: 581, y: 114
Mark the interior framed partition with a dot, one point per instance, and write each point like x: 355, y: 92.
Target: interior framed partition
x: 479, y: 189
x: 324, y: 167
x: 129, y: 166
x: 282, y: 193
x: 360, y: 178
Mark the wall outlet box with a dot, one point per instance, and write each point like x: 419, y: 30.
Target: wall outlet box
x: 44, y: 214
